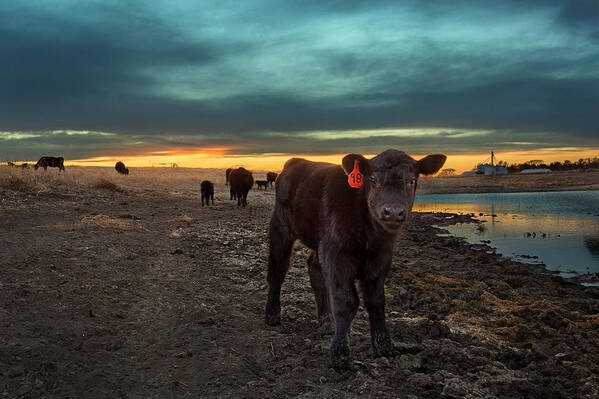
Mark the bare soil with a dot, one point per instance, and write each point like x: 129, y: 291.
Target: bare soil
x: 143, y: 293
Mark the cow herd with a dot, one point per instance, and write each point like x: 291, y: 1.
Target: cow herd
x: 240, y: 181
x: 348, y: 216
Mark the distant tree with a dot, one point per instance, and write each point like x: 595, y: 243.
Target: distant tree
x: 447, y: 172
x: 582, y: 163
x: 514, y: 168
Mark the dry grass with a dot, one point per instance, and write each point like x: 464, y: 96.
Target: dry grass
x: 105, y: 222
x: 14, y: 183
x: 187, y: 180
x: 183, y: 219
x: 554, y: 181
x: 80, y: 179
x: 52, y: 180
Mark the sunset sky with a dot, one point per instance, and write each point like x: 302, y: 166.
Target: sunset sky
x: 217, y: 83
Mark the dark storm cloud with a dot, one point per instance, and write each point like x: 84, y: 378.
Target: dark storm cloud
x: 65, y: 58
x: 231, y: 74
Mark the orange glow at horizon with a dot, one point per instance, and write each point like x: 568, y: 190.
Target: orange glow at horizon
x: 219, y: 158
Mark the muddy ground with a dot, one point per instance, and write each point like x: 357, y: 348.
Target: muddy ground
x: 143, y: 293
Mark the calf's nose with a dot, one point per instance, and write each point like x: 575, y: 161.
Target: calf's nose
x: 394, y: 214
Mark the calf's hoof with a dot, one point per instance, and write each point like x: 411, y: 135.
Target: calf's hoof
x: 272, y: 319
x: 383, y: 346
x: 341, y: 359
x: 326, y: 325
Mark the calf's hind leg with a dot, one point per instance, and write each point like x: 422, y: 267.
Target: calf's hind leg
x: 281, y: 243
x: 321, y: 294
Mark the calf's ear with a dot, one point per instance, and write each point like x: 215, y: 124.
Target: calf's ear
x: 348, y: 164
x: 431, y: 164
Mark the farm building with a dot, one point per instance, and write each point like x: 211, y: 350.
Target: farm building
x: 486, y: 169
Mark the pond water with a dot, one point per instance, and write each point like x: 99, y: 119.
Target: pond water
x: 559, y: 229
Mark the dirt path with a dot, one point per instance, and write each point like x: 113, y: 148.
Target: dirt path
x: 146, y: 294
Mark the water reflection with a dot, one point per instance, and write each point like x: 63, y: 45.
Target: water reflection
x: 567, y: 242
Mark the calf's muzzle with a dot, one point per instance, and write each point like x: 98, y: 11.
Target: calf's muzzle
x: 393, y: 214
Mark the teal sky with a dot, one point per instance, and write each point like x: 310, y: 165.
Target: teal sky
x: 95, y: 78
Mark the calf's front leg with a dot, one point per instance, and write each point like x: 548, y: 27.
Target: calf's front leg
x: 344, y: 298
x: 373, y: 292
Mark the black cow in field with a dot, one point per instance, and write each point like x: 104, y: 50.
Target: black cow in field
x: 349, y: 219
x: 271, y: 177
x: 53, y: 162
x: 227, y: 174
x: 207, y: 190
x: 120, y: 167
x: 11, y: 164
x: 241, y: 181
x: 262, y: 183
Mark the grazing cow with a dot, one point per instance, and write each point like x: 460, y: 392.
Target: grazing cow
x: 241, y: 181
x: 11, y: 164
x: 120, y: 167
x: 207, y: 189
x: 262, y: 183
x: 227, y: 174
x: 271, y: 177
x: 349, y: 216
x: 53, y: 162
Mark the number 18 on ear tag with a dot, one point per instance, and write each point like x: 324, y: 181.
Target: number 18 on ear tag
x: 355, y: 178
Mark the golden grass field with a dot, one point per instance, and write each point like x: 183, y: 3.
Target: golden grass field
x: 78, y: 178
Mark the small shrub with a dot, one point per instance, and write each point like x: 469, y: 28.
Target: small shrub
x: 104, y: 184
x: 15, y: 183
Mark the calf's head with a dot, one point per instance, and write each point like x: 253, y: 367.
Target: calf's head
x: 389, y: 185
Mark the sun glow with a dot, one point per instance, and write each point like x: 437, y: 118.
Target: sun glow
x: 222, y: 158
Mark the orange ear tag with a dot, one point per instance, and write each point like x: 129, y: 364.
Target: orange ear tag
x: 355, y: 179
